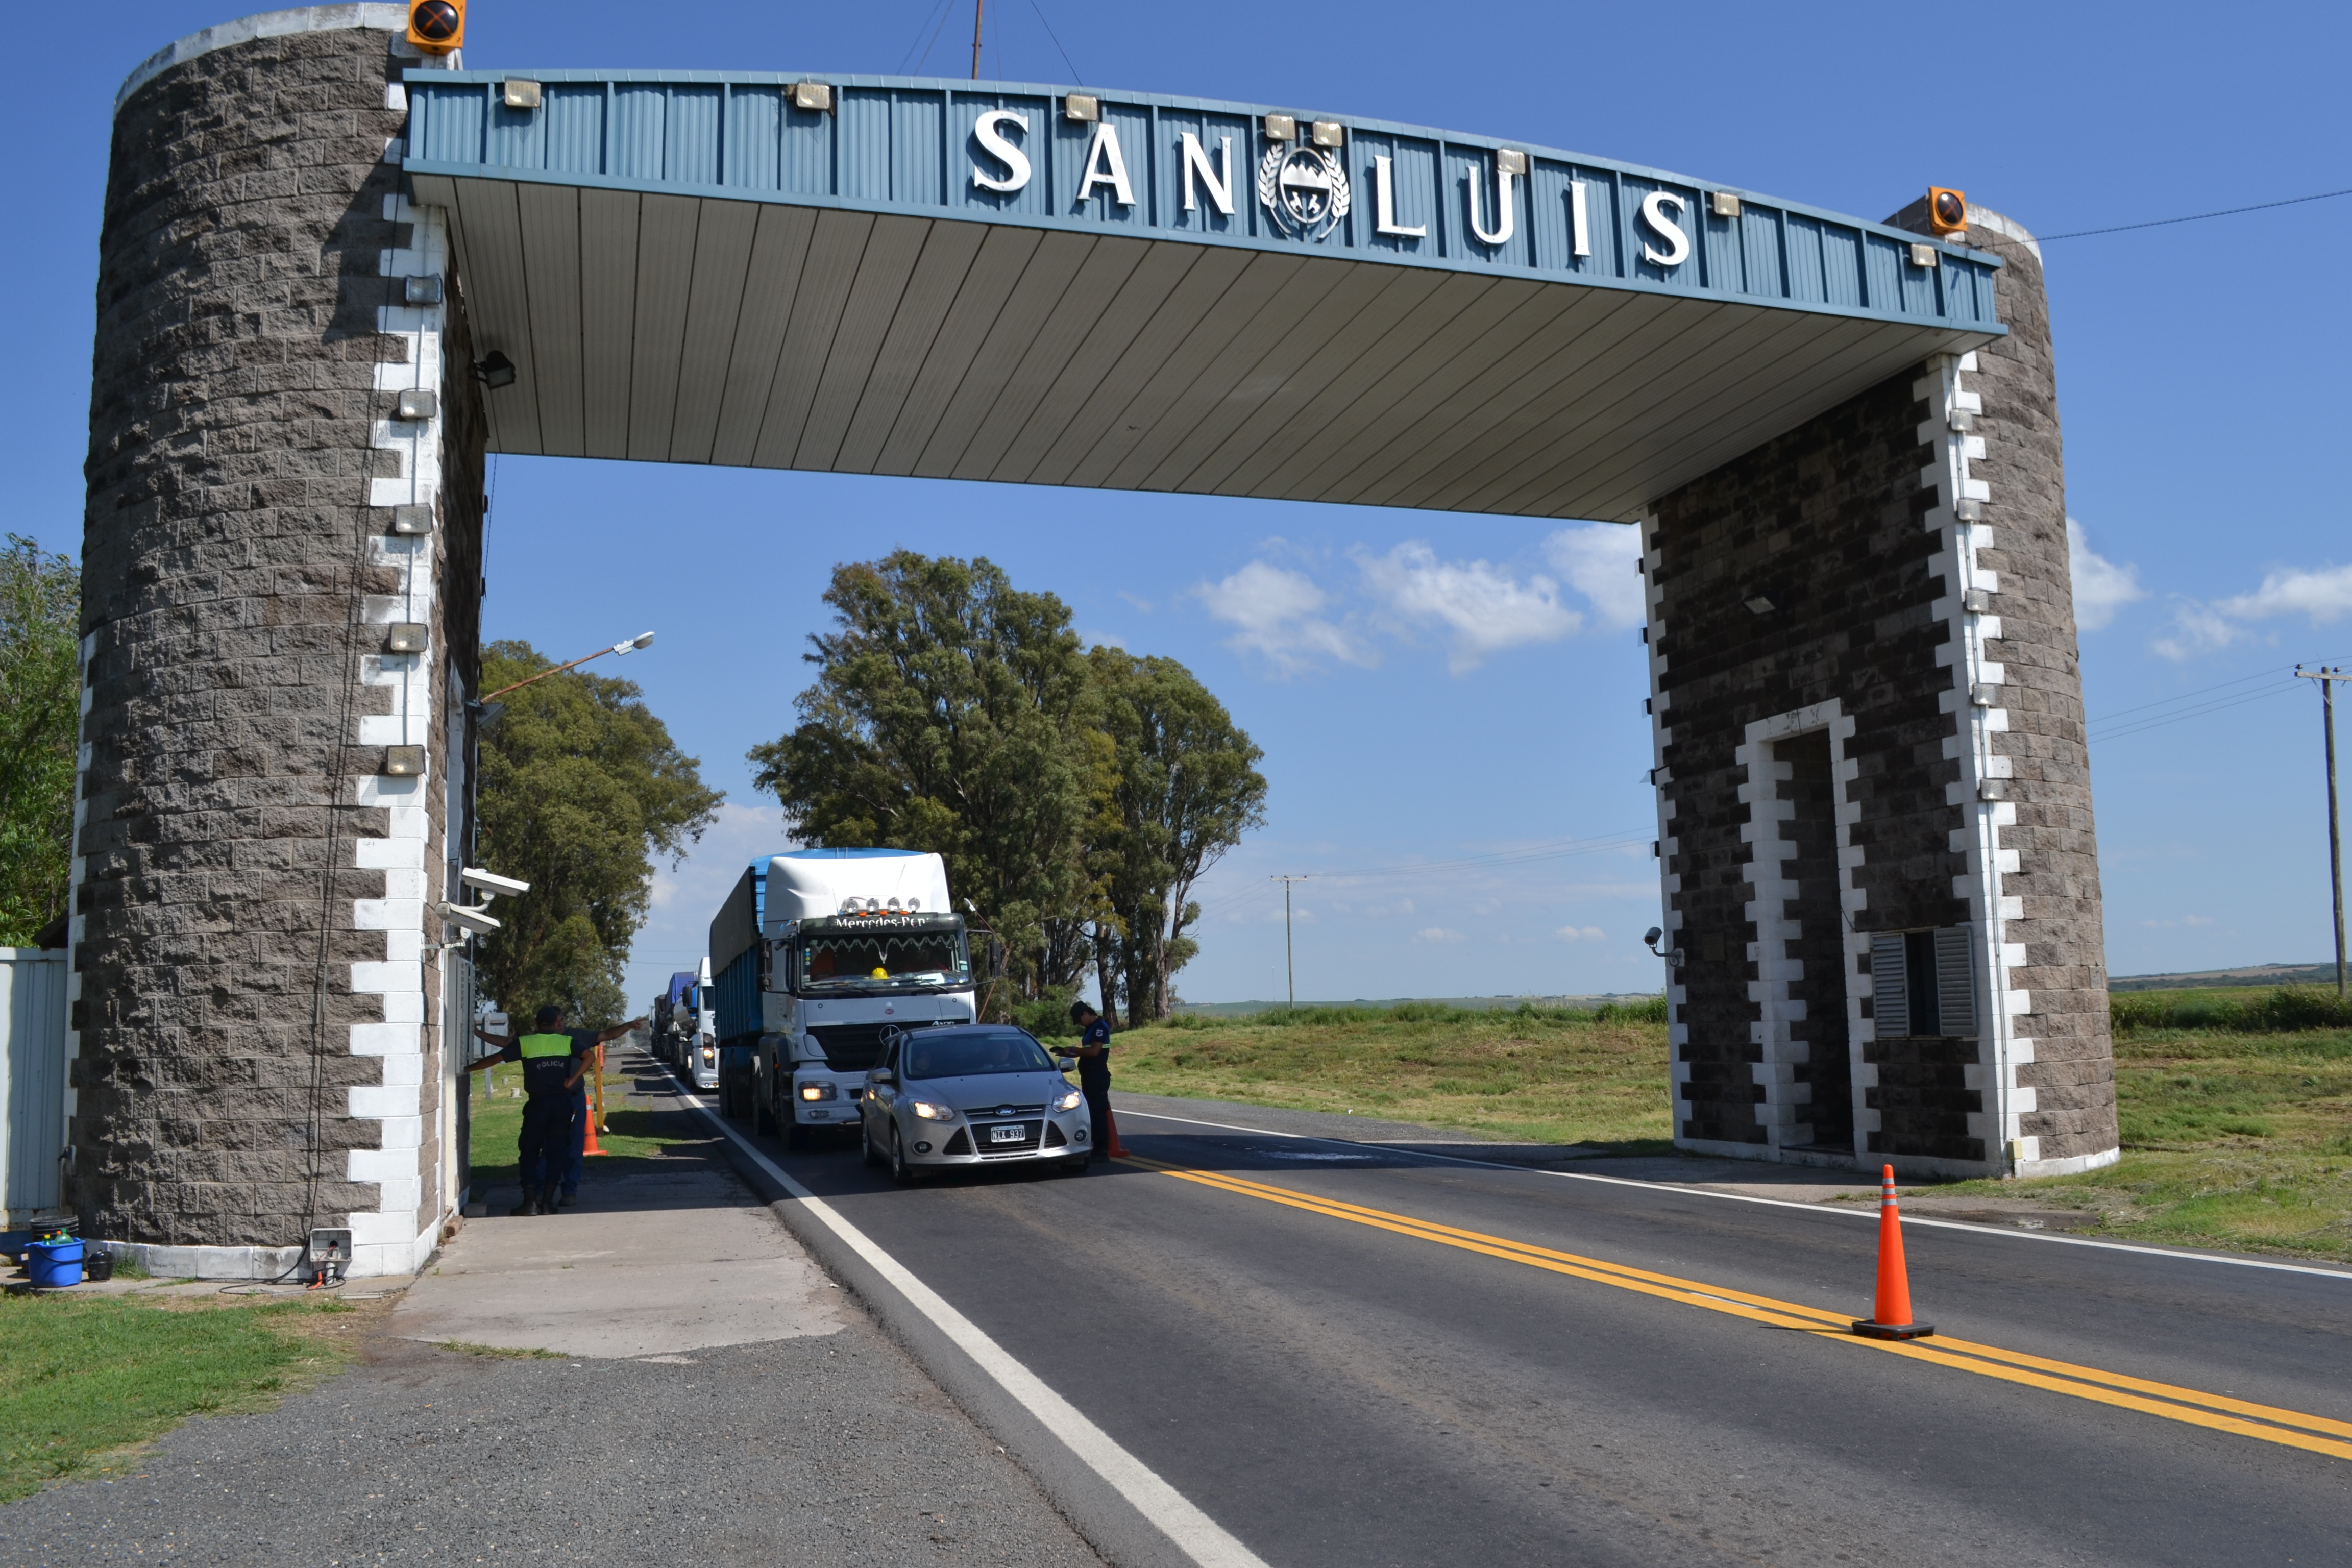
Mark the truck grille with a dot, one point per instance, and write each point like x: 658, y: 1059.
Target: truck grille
x: 850, y: 1047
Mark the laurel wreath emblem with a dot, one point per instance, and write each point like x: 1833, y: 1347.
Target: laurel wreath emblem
x: 1269, y: 190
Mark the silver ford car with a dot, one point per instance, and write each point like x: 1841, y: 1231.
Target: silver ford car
x: 972, y: 1094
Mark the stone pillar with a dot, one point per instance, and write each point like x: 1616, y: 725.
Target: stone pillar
x: 1878, y: 601
x: 254, y: 1008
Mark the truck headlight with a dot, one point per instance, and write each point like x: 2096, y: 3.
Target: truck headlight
x: 925, y: 1110
x: 709, y: 1056
x: 1069, y: 1102
x: 817, y: 1091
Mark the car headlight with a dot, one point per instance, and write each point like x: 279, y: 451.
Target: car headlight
x: 1069, y: 1102
x: 925, y: 1110
x: 817, y: 1091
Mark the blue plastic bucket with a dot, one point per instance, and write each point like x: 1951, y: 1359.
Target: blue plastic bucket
x: 54, y: 1265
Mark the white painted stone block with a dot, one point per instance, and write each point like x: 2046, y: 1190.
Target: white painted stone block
x: 391, y: 1104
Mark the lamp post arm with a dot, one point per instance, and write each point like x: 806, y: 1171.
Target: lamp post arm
x: 630, y: 646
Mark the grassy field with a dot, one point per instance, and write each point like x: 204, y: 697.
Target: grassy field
x: 1548, y: 1075
x: 2232, y: 1137
x: 85, y: 1381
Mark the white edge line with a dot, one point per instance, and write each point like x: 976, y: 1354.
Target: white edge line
x: 1869, y: 1214
x: 1197, y: 1535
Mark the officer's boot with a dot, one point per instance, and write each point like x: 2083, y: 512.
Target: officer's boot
x: 530, y: 1204
x: 548, y: 1195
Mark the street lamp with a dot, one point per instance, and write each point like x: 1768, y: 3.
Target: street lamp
x: 630, y: 646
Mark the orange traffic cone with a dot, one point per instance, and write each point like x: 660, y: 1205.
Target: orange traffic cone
x: 1891, y: 1317
x: 590, y: 1146
x: 1118, y: 1149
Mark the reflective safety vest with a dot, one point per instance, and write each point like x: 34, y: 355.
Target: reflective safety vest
x: 544, y: 1046
x: 546, y: 1063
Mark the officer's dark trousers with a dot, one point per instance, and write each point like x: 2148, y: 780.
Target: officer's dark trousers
x: 576, y: 1154
x: 1098, y: 1114
x: 546, y: 1139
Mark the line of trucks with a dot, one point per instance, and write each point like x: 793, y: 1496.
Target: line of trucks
x: 818, y: 960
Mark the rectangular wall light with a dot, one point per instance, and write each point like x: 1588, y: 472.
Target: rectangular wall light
x: 425, y: 290
x: 419, y: 403
x: 403, y: 763
x: 1281, y: 128
x: 1923, y: 256
x: 1723, y: 204
x: 405, y: 636
x: 813, y: 96
x: 410, y: 521
x: 517, y: 93
x: 1082, y: 107
x: 1330, y: 133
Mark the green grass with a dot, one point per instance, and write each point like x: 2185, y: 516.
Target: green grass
x: 1544, y: 1074
x: 2238, y: 1138
x: 2230, y: 1140
x: 84, y: 1378
x: 467, y: 1347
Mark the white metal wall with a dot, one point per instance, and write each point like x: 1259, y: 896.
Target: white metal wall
x: 32, y: 1080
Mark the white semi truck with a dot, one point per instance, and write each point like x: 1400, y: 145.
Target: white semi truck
x: 849, y: 944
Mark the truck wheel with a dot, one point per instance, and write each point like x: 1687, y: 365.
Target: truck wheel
x: 763, y: 1114
x: 797, y: 1138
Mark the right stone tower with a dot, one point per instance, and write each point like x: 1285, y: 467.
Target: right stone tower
x: 1879, y: 865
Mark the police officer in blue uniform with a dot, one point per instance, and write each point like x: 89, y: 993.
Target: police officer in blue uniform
x: 1093, y: 1073
x: 554, y: 1114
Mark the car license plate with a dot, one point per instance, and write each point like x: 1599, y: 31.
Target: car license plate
x: 1007, y: 1134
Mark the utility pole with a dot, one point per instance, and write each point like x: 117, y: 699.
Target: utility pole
x: 1289, y: 953
x: 2327, y: 677
x: 976, y: 4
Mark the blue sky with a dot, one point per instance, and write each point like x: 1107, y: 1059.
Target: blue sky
x: 1450, y: 706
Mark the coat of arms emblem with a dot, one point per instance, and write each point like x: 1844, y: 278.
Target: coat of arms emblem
x: 1303, y: 188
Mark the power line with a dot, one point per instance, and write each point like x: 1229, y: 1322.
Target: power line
x: 2195, y: 217
x: 2203, y: 711
x: 1057, y: 44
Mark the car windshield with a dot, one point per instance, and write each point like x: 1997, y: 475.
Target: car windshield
x: 969, y: 1053
x: 877, y: 959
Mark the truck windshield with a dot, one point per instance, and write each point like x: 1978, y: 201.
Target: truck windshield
x: 871, y: 959
x: 969, y: 1053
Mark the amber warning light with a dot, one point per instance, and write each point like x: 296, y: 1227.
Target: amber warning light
x: 437, y: 26
x: 1948, y: 210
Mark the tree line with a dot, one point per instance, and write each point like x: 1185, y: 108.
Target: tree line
x: 1076, y: 793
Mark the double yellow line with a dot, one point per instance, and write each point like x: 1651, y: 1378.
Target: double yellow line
x: 2317, y: 1433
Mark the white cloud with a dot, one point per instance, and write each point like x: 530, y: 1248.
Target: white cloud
x: 1486, y: 606
x: 2319, y: 595
x: 1278, y: 614
x: 2324, y: 595
x: 1438, y: 933
x: 2101, y: 587
x: 1144, y: 604
x: 1101, y: 639
x: 1597, y: 560
x: 1580, y: 934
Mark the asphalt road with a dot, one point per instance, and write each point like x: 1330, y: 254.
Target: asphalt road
x: 1346, y: 1388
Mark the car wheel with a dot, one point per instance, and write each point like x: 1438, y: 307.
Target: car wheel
x: 900, y: 1172
x: 865, y: 1145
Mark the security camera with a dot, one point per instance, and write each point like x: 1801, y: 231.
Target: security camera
x: 474, y: 921
x: 1674, y: 957
x: 492, y: 885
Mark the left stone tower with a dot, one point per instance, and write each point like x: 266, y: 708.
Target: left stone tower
x: 280, y: 587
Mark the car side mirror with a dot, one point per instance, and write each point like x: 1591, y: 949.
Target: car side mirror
x: 881, y: 1075
x: 1065, y: 1064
